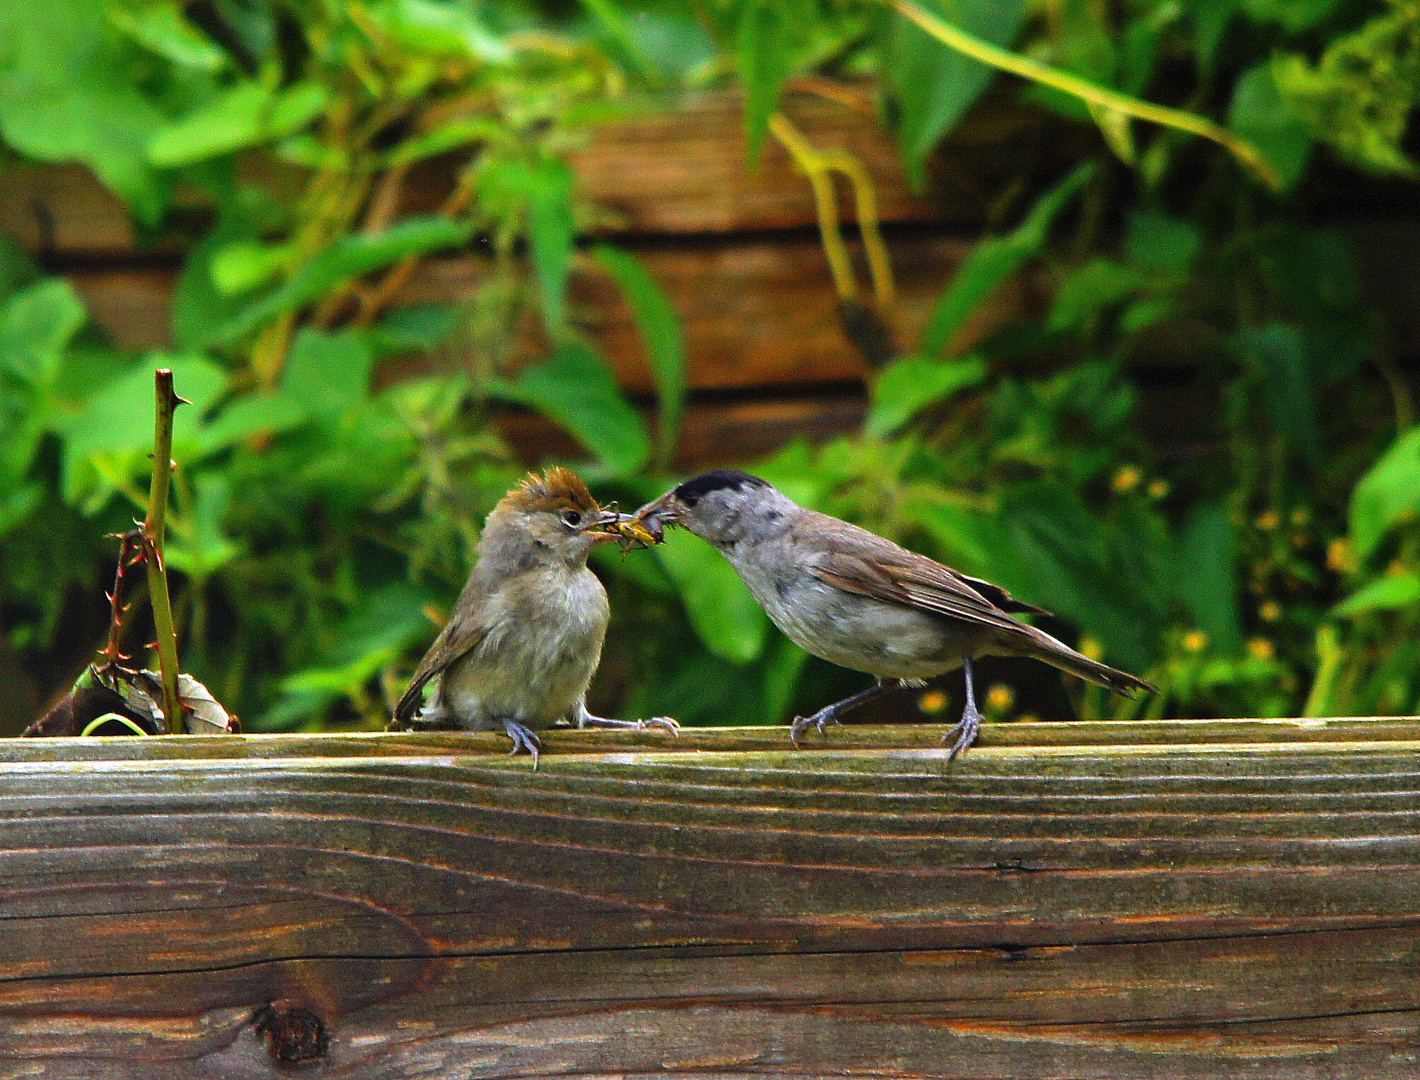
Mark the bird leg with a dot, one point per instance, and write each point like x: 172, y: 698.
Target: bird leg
x: 583, y: 719
x: 523, y: 739
x: 970, y: 722
x: 829, y: 714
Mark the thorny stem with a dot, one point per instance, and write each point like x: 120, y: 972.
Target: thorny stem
x: 1098, y: 96
x: 130, y: 551
x: 152, y: 540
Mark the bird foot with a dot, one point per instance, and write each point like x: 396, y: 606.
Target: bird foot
x: 821, y: 720
x: 523, y: 739
x: 965, y: 731
x: 665, y: 723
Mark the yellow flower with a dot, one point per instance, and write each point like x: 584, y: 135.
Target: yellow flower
x: 1269, y: 610
x: 1158, y: 488
x: 1259, y: 648
x: 1267, y: 520
x: 1091, y: 648
x: 1339, y: 556
x: 1300, y: 516
x: 932, y: 702
x: 1127, y: 478
x: 999, y: 698
x: 1195, y: 641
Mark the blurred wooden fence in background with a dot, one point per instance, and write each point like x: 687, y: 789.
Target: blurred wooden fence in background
x: 738, y: 251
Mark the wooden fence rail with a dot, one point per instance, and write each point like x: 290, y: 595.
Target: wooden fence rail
x: 1173, y: 899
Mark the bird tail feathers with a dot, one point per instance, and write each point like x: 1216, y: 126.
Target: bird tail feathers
x: 1058, y: 654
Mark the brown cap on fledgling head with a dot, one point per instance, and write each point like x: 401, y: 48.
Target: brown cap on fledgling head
x: 556, y: 489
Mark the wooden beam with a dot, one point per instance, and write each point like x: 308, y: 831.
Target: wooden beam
x: 753, y: 312
x: 1182, y: 899
x: 679, y: 169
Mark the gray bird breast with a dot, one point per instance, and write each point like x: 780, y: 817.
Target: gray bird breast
x: 854, y: 631
x: 535, y: 665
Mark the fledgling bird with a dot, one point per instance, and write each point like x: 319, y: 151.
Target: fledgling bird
x: 526, y: 633
x: 852, y: 597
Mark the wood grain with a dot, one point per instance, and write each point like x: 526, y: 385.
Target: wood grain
x: 679, y: 168
x: 1199, y: 899
x: 753, y: 313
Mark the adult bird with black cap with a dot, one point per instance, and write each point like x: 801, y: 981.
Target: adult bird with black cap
x: 851, y: 597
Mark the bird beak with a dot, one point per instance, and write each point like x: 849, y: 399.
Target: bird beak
x: 605, y: 526
x: 655, y: 516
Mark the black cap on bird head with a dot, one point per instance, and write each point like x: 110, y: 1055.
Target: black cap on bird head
x: 693, y: 490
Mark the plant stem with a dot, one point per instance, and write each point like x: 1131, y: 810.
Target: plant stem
x: 153, y: 528
x: 1098, y: 96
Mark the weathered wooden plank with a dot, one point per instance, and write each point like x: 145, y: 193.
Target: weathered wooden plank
x: 754, y: 312
x: 1168, y: 899
x: 681, y: 170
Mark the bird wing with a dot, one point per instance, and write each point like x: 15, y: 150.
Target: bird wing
x: 459, y: 635
x: 872, y: 566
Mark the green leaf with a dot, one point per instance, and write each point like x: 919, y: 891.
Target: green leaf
x: 1387, y: 495
x: 1259, y: 114
x: 36, y: 326
x: 424, y: 27
x: 933, y: 84
x: 992, y: 261
x: 200, y: 547
x: 1207, y: 576
x: 163, y: 28
x: 958, y: 531
x: 544, y: 190
x: 907, y: 386
x: 784, y: 663
x: 67, y: 94
x: 417, y: 328
x: 1080, y: 568
x: 1293, y: 15
x: 18, y: 503
x: 551, y: 231
x: 1117, y: 129
x: 386, y: 622
x: 458, y: 132
x: 1087, y: 290
x: 1153, y: 241
x: 248, y: 417
x: 1385, y: 594
x: 661, y: 333
x: 725, y: 615
x: 245, y: 115
x: 576, y: 389
x: 1278, y: 353
x: 1210, y: 19
x: 245, y: 264
x: 327, y: 374
x: 350, y: 256
x: 765, y: 50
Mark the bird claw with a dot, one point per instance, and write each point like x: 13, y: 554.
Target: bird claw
x: 820, y: 720
x: 523, y: 739
x: 665, y: 723
x: 966, y: 730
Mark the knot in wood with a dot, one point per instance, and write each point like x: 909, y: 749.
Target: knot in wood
x: 294, y: 1035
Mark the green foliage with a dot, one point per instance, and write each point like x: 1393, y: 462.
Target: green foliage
x: 321, y: 517
x: 1359, y: 94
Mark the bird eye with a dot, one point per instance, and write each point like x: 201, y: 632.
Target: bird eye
x: 571, y: 518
